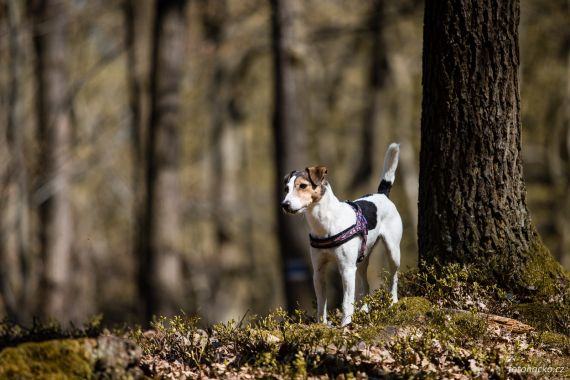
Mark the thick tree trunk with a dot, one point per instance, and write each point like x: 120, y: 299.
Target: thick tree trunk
x: 56, y: 222
x: 290, y: 145
x: 161, y: 281
x: 472, y: 200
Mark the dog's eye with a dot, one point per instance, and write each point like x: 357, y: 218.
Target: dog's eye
x: 302, y: 186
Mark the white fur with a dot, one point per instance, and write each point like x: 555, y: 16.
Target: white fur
x: 296, y: 203
x: 391, y: 162
x: 330, y: 216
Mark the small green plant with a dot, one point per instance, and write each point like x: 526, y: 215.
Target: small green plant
x: 456, y: 286
x: 174, y: 339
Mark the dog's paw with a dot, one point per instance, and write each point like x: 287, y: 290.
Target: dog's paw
x: 346, y: 321
x: 364, y: 308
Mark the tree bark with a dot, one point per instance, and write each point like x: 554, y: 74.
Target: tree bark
x: 290, y: 145
x: 472, y: 199
x: 161, y: 281
x: 50, y: 20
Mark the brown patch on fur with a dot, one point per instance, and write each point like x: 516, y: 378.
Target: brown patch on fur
x: 317, y: 174
x: 306, y: 189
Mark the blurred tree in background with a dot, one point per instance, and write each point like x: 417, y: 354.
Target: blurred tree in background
x: 290, y: 142
x: 227, y: 132
x: 50, y: 31
x: 161, y: 265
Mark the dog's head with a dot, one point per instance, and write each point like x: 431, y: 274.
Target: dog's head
x: 303, y: 188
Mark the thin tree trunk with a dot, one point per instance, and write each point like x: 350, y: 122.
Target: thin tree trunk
x: 564, y: 213
x: 405, y: 128
x: 372, y: 112
x: 472, y: 200
x: 232, y: 263
x: 138, y: 19
x: 289, y: 139
x: 56, y: 222
x: 15, y: 134
x: 161, y: 281
x: 4, y: 288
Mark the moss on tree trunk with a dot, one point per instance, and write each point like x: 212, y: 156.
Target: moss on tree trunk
x: 472, y: 199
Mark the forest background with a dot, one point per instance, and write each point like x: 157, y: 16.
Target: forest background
x: 361, y: 89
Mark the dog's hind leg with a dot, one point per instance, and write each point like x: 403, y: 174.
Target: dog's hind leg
x: 362, y: 280
x: 320, y: 262
x: 393, y: 256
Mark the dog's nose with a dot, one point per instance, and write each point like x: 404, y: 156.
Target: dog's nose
x: 285, y: 205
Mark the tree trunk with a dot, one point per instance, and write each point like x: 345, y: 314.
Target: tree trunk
x: 472, y: 199
x: 138, y: 19
x: 232, y: 269
x: 564, y: 210
x: 56, y: 222
x: 14, y: 222
x: 8, y: 301
x: 372, y: 112
x: 408, y: 169
x: 161, y: 281
x: 289, y: 139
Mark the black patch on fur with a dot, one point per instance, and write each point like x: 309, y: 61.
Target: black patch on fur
x: 370, y: 212
x: 385, y: 187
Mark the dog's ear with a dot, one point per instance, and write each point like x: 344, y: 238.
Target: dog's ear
x: 317, y: 174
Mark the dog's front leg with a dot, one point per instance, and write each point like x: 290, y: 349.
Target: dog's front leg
x: 348, y: 274
x: 319, y: 282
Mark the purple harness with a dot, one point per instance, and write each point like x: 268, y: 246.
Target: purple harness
x: 360, y: 228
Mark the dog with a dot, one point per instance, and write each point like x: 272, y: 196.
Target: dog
x: 346, y: 232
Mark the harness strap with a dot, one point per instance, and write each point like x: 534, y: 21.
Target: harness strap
x: 360, y: 228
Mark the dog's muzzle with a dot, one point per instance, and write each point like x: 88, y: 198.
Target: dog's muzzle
x: 286, y: 206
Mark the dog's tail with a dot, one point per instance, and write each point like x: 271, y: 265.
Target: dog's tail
x: 390, y: 165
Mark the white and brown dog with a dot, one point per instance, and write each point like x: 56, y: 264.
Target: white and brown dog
x: 346, y: 232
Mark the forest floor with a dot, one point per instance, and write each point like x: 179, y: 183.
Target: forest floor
x: 445, y: 326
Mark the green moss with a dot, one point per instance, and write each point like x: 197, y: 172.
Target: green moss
x: 546, y: 316
x: 67, y: 359
x: 552, y: 339
x: 542, y: 274
x: 409, y: 310
x: 468, y: 325
x: 381, y: 312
